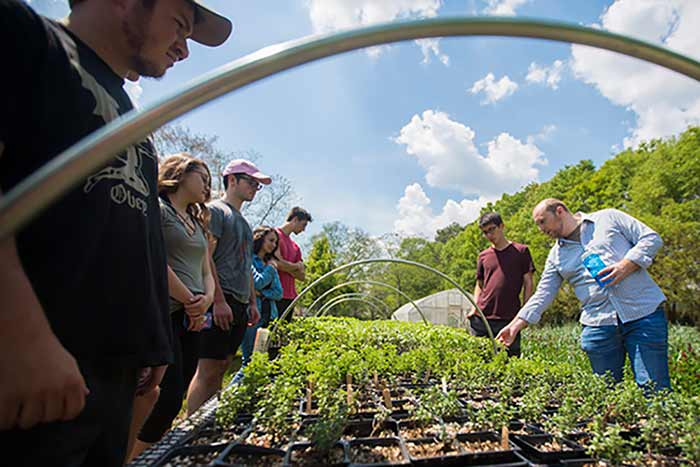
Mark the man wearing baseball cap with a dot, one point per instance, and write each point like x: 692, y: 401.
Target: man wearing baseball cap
x: 235, y: 306
x: 84, y: 322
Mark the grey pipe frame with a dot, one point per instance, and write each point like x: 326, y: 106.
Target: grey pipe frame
x: 349, y: 299
x: 45, y: 186
x: 364, y: 296
x: 371, y: 282
x: 397, y: 261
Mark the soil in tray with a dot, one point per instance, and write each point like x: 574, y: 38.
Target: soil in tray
x: 366, y: 430
x: 265, y: 440
x: 422, y: 449
x: 373, y: 453
x: 193, y: 459
x: 411, y: 431
x: 212, y: 437
x: 481, y: 445
x: 308, y: 455
x: 261, y: 460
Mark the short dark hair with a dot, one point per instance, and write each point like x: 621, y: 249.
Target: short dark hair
x: 299, y: 213
x: 490, y: 218
x: 551, y: 205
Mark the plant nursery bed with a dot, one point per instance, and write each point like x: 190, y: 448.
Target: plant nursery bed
x: 241, y: 455
x: 377, y: 451
x: 191, y: 456
x: 307, y: 454
x: 547, y: 448
x: 428, y: 451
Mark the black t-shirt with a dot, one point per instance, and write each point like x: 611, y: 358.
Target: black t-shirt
x: 95, y: 258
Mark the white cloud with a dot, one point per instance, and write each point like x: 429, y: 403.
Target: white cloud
x: 333, y: 15
x: 134, y: 90
x: 416, y: 217
x: 545, y: 134
x: 494, y: 90
x: 503, y: 7
x: 446, y: 150
x: 432, y: 46
x: 664, y: 102
x: 547, y: 75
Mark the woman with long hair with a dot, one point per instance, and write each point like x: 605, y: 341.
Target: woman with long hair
x: 268, y: 288
x: 184, y: 186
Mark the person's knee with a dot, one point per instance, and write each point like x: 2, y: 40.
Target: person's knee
x: 211, y: 372
x: 151, y: 397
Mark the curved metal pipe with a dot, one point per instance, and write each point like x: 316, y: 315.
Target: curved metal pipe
x: 372, y: 282
x: 47, y: 184
x: 351, y: 299
x: 357, y: 294
x: 388, y: 260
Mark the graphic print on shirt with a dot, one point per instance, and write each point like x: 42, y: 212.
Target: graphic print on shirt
x: 127, y: 166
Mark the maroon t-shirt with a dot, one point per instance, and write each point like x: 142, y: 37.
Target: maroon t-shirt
x: 502, y: 274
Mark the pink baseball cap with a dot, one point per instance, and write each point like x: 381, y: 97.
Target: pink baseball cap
x: 242, y: 166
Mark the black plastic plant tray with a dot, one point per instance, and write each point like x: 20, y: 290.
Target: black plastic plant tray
x: 244, y: 455
x: 452, y: 458
x: 582, y: 462
x: 292, y: 458
x: 530, y: 446
x: 529, y: 429
x: 194, y: 455
x: 352, y: 445
x: 217, y: 435
x: 302, y: 408
x: 500, y: 456
x: 366, y: 429
x: 403, y: 425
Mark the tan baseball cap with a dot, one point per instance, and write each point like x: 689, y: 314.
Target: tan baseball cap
x: 210, y: 27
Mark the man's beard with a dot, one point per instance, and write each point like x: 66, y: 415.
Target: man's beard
x: 134, y: 27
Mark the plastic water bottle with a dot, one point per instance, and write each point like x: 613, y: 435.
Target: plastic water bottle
x: 594, y: 265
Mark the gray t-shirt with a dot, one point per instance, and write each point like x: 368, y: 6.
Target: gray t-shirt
x: 234, y: 249
x: 185, y: 252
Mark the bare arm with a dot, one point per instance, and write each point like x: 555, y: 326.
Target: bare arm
x: 41, y: 381
x: 254, y: 314
x: 223, y: 316
x: 478, y: 287
x: 297, y: 270
x: 528, y: 287
x: 177, y: 289
x: 208, y: 276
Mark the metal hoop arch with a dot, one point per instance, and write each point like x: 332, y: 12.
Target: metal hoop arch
x: 360, y: 295
x: 372, y: 282
x: 46, y: 185
x: 388, y: 260
x: 334, y: 303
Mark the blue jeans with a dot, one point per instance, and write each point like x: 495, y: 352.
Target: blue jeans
x: 645, y: 340
x: 247, y: 350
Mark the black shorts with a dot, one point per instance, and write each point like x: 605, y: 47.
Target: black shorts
x: 282, y: 305
x: 479, y: 330
x: 217, y: 344
x: 98, y: 436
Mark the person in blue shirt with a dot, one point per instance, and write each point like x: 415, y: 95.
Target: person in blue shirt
x: 268, y: 288
x: 621, y: 310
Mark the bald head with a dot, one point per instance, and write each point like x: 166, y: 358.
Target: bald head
x: 551, y: 205
x: 554, y: 218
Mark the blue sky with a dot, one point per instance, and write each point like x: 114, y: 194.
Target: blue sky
x: 411, y: 137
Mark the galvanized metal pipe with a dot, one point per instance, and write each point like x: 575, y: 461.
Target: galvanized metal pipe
x: 50, y: 182
x: 371, y: 282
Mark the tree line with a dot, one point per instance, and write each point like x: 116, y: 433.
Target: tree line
x: 658, y: 182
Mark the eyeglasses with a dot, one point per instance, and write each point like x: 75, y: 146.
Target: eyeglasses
x: 490, y: 230
x: 251, y: 181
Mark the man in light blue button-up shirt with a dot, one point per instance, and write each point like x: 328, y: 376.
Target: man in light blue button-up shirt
x: 623, y: 316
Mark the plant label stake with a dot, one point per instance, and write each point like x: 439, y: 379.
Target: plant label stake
x: 444, y: 385
x: 309, y: 392
x: 387, y: 398
x: 504, y: 437
x: 427, y: 376
x: 348, y: 379
x: 350, y: 404
x: 376, y: 379
x: 262, y: 340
